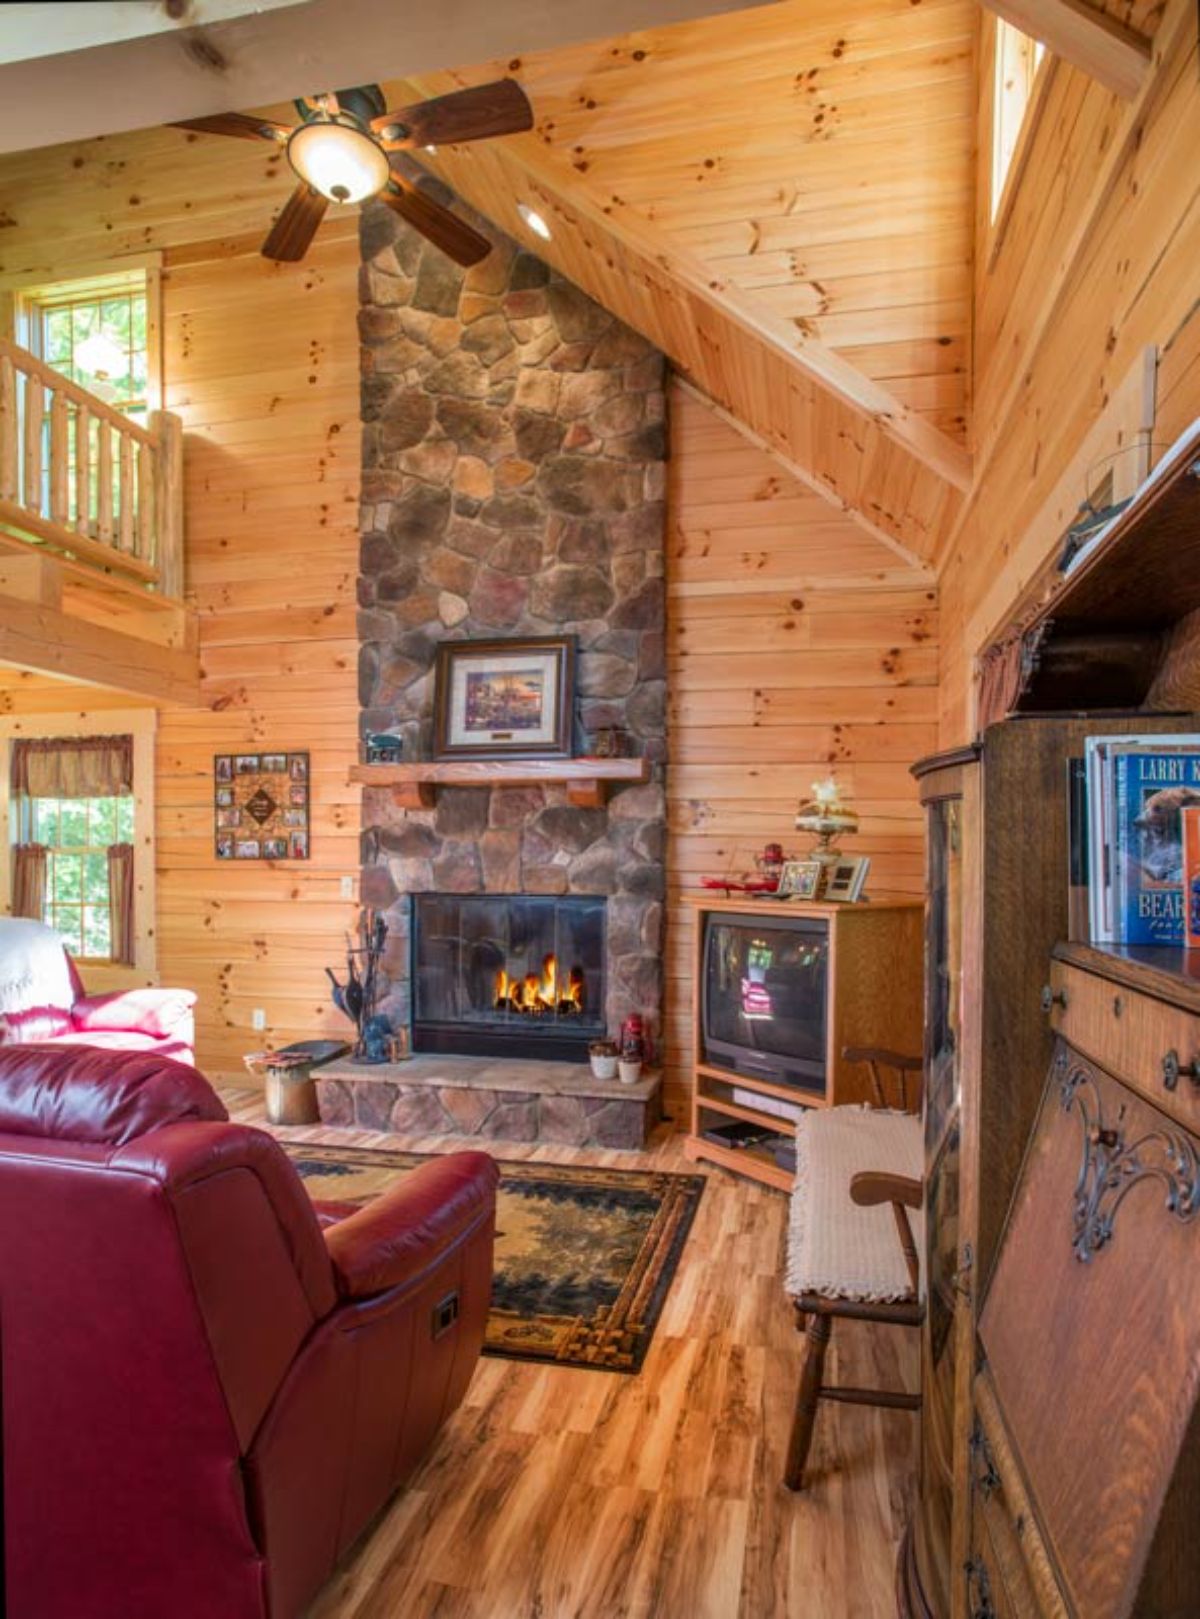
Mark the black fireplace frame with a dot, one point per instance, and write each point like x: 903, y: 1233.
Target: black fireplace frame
x: 552, y: 1041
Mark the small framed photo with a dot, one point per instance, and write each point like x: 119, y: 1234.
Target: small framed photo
x: 223, y: 767
x: 297, y: 795
x: 275, y: 849
x: 505, y: 699
x: 847, y: 878
x: 229, y: 815
x: 297, y: 766
x: 799, y: 879
x: 299, y: 845
x: 224, y: 797
x: 274, y: 763
x: 225, y: 846
x: 246, y: 764
x: 247, y: 849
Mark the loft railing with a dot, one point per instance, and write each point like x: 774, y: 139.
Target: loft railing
x: 80, y: 477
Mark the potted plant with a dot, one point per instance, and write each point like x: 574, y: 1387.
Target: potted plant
x: 602, y: 1054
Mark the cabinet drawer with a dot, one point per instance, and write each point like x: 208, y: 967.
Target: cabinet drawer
x: 1130, y: 1034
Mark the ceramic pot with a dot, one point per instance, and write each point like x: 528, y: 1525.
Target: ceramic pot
x: 604, y: 1064
x: 630, y: 1070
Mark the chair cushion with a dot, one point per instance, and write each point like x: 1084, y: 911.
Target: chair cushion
x: 77, y: 1093
x: 835, y: 1247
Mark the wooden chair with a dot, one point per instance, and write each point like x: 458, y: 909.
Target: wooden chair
x: 842, y: 1264
x: 900, y: 1066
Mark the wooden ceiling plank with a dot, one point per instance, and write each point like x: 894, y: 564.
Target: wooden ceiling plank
x: 1102, y: 46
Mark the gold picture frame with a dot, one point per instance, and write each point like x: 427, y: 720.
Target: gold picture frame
x: 800, y: 879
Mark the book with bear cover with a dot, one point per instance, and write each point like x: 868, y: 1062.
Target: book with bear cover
x: 1151, y: 788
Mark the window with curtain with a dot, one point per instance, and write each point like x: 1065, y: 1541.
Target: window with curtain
x: 73, y: 826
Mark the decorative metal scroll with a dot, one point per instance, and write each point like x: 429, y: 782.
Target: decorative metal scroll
x: 1112, y: 1166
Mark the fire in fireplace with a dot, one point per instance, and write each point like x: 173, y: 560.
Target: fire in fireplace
x: 504, y: 974
x: 541, y: 994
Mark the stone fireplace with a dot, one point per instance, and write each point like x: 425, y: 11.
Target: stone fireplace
x: 513, y: 484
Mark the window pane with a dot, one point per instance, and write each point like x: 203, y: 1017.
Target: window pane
x: 104, y: 821
x: 57, y: 336
x: 125, y: 819
x: 84, y: 320
x: 45, y: 821
x: 97, y: 934
x: 69, y: 923
x: 114, y: 320
x: 67, y: 878
x: 73, y: 820
x: 95, y: 878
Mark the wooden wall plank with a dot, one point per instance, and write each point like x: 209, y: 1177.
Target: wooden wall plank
x: 774, y: 686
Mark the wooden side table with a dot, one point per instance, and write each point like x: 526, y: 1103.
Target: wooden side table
x: 290, y: 1089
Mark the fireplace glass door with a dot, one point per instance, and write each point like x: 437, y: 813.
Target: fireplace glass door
x: 508, y: 973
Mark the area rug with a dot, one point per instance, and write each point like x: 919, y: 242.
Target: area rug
x: 584, y: 1257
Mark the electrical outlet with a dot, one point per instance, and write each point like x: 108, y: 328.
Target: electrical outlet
x: 258, y: 1019
x: 347, y: 887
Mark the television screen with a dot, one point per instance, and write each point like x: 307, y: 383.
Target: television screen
x: 764, y: 997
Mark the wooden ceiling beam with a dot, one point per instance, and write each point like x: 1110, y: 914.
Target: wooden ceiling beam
x: 1101, y: 46
x: 802, y: 476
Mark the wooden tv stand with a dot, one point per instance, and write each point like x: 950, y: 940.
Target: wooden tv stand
x: 873, y: 998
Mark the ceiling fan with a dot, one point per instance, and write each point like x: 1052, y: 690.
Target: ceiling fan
x: 340, y: 153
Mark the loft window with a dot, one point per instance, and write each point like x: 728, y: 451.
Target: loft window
x: 99, y: 332
x: 1018, y: 60
x: 72, y: 827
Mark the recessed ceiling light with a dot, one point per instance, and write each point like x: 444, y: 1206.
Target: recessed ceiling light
x: 534, y: 220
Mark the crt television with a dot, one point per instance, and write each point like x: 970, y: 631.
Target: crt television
x: 763, y: 996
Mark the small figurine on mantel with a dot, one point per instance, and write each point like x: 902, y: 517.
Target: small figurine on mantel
x: 357, y: 997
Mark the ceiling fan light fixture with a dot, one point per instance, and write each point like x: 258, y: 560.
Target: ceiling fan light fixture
x: 534, y: 220
x: 338, y: 160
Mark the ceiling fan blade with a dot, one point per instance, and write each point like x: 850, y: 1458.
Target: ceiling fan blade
x: 241, y: 124
x: 296, y: 226
x: 500, y: 108
x: 437, y: 224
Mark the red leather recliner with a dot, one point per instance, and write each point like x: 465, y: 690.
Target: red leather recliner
x: 206, y: 1399
x: 140, y: 1019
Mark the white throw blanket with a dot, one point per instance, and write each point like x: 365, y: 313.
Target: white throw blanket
x: 835, y: 1247
x: 33, y: 967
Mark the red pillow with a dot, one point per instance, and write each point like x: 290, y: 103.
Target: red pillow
x: 152, y: 1011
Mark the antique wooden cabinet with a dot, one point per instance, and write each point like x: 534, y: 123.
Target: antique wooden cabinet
x: 1060, y: 1450
x: 996, y: 911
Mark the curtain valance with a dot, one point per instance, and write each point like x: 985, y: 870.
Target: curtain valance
x: 72, y: 767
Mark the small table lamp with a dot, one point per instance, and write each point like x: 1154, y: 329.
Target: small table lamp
x: 826, y: 815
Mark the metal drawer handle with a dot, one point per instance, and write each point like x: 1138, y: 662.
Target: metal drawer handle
x: 1052, y: 998
x: 1173, y: 1070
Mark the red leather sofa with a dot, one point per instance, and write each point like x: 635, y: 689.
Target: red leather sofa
x: 146, y: 1019
x: 206, y: 1396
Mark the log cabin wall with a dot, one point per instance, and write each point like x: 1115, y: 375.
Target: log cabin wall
x: 261, y: 362
x: 798, y: 646
x: 1095, y: 262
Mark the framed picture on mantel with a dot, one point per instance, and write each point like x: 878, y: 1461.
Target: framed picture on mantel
x: 510, y: 699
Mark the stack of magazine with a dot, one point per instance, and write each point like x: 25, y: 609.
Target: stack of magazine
x: 1134, y: 830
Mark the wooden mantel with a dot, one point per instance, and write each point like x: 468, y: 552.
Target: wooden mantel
x: 587, y: 781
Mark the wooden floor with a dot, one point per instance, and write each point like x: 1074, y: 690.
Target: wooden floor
x: 567, y: 1494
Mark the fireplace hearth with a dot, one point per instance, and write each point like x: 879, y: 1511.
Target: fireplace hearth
x: 508, y: 975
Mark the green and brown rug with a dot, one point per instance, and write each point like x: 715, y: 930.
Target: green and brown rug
x: 584, y: 1257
